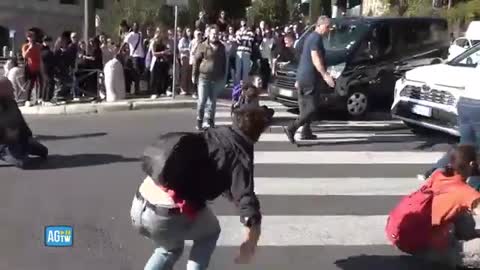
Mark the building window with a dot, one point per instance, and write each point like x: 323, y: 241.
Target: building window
x: 68, y: 2
x: 99, y: 4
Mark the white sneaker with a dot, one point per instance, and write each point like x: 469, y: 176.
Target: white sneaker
x: 169, y: 93
x: 154, y: 96
x: 194, y: 96
x: 28, y: 104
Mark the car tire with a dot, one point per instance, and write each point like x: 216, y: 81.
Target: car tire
x: 357, y: 104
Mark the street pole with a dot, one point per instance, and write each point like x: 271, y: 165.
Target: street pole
x: 175, y: 53
x: 88, y: 21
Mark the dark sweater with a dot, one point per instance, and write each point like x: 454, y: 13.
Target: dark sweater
x: 210, y: 63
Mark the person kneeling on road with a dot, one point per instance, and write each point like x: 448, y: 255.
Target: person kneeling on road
x: 436, y: 222
x: 185, y: 171
x: 16, y: 140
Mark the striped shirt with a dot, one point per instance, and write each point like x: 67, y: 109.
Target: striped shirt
x: 245, y: 41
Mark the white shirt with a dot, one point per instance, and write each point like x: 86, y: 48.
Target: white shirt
x: 132, y: 39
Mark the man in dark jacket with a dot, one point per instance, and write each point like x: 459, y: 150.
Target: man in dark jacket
x: 210, y: 67
x: 184, y: 171
x: 16, y: 141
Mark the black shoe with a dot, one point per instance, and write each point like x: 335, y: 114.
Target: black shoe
x: 211, y: 123
x: 308, y: 137
x: 290, y: 134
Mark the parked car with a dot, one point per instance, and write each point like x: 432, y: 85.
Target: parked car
x: 366, y: 56
x: 426, y: 97
x: 461, y: 44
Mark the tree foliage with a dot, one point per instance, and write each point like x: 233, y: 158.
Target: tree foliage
x: 147, y: 13
x: 274, y: 12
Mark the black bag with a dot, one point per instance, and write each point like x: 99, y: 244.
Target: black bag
x: 180, y: 161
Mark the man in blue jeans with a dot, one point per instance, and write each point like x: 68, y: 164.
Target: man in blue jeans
x: 184, y: 172
x: 210, y: 67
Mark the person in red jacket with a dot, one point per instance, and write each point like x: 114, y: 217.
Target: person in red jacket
x: 32, y: 53
x: 455, y: 241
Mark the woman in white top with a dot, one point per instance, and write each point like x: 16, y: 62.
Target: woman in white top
x: 186, y: 67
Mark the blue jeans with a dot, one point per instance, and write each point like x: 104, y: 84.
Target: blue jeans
x: 243, y: 65
x: 169, y: 232
x: 208, y: 91
x: 469, y: 126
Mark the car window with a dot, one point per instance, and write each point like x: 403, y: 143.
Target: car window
x: 469, y: 58
x: 462, y: 42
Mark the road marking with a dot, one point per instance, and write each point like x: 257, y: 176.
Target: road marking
x: 334, y: 124
x: 309, y: 231
x: 283, y: 114
x: 332, y: 137
x: 354, y: 186
x: 346, y: 157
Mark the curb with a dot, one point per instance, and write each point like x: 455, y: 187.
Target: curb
x: 98, y: 108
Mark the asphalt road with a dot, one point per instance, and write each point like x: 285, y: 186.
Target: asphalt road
x: 94, y: 171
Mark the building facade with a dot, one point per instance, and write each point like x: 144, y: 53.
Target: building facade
x: 52, y: 16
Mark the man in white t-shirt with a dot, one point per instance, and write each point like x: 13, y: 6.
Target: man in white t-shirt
x: 134, y: 40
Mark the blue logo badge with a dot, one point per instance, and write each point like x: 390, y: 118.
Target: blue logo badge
x: 58, y: 236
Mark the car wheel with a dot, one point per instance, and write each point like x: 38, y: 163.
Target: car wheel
x: 357, y: 103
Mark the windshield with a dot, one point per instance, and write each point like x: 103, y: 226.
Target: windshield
x: 343, y: 35
x: 469, y: 58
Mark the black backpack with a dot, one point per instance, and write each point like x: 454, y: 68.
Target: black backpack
x: 180, y: 161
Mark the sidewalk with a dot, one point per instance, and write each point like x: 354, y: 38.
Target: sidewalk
x: 180, y: 102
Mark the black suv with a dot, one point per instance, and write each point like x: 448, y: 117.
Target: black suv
x: 366, y: 56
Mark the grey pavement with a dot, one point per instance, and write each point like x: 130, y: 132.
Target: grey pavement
x: 94, y: 170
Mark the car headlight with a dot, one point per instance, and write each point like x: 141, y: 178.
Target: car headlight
x: 336, y: 71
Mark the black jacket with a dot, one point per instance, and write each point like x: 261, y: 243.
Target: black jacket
x: 11, y: 117
x: 202, y: 166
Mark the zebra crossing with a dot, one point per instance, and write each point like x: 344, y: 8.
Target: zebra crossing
x: 324, y: 203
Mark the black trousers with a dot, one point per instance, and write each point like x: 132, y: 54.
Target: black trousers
x: 159, y: 78
x: 136, y: 75
x: 308, y: 105
x: 265, y: 72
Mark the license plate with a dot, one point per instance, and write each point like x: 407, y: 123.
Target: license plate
x: 286, y: 93
x: 422, y: 110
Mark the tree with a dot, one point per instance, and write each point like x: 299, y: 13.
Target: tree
x: 274, y: 12
x: 147, y: 13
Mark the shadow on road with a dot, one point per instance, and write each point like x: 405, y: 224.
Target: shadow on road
x: 69, y: 137
x: 77, y: 161
x: 375, y: 262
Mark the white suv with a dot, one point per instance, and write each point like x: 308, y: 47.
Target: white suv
x: 426, y: 97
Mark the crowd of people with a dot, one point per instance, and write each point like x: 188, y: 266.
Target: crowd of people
x: 71, y: 68
x: 170, y: 205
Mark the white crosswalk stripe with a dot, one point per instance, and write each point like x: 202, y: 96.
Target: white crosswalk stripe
x: 327, y: 210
